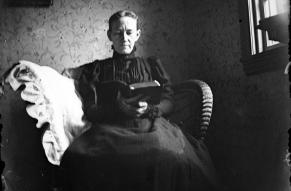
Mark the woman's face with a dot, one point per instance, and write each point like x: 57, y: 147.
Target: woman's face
x: 124, y: 34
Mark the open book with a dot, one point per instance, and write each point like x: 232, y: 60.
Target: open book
x: 148, y: 91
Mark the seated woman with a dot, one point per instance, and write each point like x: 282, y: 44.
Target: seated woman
x: 131, y: 145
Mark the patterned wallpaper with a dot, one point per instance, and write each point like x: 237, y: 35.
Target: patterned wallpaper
x: 73, y: 32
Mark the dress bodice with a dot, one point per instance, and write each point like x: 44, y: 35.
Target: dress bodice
x: 126, y: 68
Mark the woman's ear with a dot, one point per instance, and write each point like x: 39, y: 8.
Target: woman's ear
x: 109, y: 35
x: 138, y: 32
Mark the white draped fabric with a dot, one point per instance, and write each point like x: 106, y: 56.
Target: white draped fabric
x: 53, y: 101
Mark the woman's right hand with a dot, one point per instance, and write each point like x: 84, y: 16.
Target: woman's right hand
x: 130, y: 106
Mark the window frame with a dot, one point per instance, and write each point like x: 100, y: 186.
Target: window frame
x: 273, y: 59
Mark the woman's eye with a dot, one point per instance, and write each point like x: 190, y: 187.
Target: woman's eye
x: 117, y: 33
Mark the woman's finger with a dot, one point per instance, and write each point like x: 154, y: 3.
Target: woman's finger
x: 142, y: 104
x: 143, y: 107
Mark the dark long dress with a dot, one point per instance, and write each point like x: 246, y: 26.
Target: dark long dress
x: 131, y: 153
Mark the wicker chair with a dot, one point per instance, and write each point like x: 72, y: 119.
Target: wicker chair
x: 193, y: 107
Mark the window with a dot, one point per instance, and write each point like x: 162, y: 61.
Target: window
x: 264, y: 34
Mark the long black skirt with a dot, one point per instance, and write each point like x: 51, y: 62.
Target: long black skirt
x: 156, y: 156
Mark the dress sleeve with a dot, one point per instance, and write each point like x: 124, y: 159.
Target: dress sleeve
x: 85, y: 77
x: 159, y: 73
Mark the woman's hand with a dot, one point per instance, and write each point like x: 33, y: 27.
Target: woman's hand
x: 132, y: 107
x: 152, y: 111
x: 143, y: 106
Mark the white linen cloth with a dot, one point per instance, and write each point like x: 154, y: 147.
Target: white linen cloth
x: 53, y: 101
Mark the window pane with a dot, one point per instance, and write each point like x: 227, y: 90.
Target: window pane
x: 252, y: 30
x: 273, y: 7
x: 260, y: 40
x: 271, y: 42
x: 282, y: 6
x: 259, y: 10
x: 270, y: 8
x: 259, y: 14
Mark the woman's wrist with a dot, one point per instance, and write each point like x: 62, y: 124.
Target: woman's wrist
x: 153, y: 111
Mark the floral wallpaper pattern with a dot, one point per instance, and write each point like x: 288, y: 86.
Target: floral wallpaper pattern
x: 71, y: 33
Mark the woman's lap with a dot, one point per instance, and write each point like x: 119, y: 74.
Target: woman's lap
x: 161, y: 159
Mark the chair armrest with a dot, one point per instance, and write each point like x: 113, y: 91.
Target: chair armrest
x: 193, y: 107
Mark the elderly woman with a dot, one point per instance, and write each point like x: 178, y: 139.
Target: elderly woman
x: 131, y: 145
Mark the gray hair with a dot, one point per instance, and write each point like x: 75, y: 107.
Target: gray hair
x: 123, y: 13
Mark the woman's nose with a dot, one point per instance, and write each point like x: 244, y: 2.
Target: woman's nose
x: 124, y: 36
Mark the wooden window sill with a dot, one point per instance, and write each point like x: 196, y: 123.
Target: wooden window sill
x: 271, y: 60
